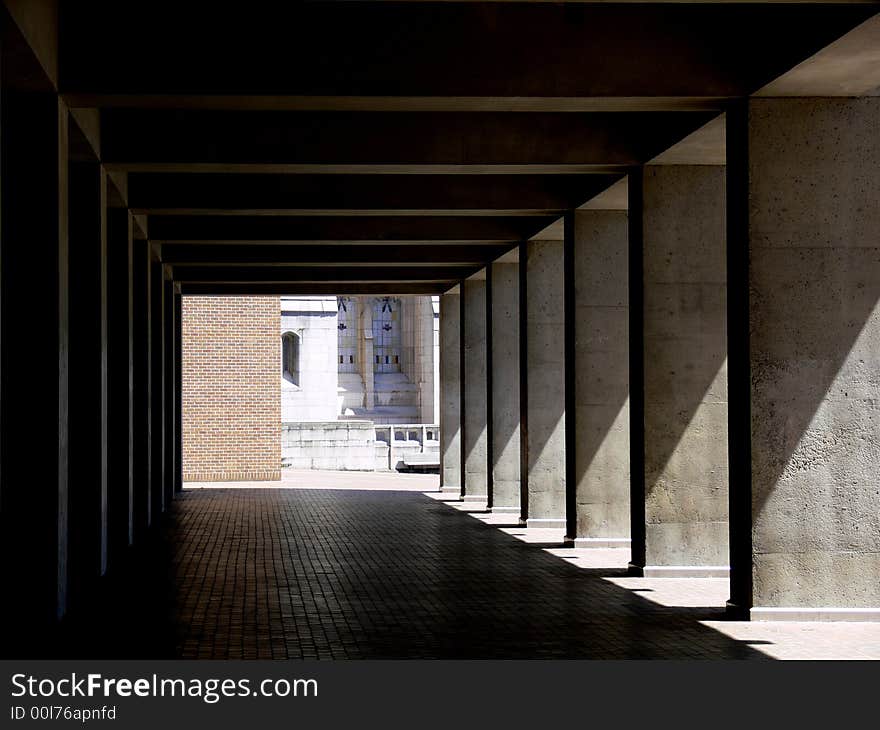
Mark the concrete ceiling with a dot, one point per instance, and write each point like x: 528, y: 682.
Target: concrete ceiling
x: 353, y: 147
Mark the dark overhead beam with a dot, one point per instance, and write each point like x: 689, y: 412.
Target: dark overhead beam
x: 334, y: 255
x: 306, y: 289
x: 442, y: 49
x: 197, y: 192
x: 173, y: 140
x: 317, y: 274
x: 366, y: 228
x: 329, y: 103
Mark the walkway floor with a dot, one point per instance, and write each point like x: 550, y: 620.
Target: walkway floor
x: 343, y: 566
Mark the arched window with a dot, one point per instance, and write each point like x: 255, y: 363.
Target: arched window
x: 290, y: 357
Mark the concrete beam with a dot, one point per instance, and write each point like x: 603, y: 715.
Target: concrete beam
x: 326, y: 229
x: 495, y: 194
x: 332, y: 255
x: 850, y: 66
x: 400, y: 142
x: 450, y: 50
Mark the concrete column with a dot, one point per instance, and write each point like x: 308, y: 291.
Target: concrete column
x: 168, y: 378
x: 178, y: 389
x: 35, y: 359
x: 450, y: 392
x: 546, y: 385
x: 120, y: 497
x: 142, y: 393
x: 157, y: 380
x: 813, y: 187
x: 476, y: 437
x: 88, y: 370
x: 602, y: 378
x: 505, y: 388
x: 685, y: 371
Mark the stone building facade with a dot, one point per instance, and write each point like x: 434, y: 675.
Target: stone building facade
x: 307, y: 382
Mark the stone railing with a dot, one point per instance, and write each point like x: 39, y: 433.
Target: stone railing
x: 413, y: 445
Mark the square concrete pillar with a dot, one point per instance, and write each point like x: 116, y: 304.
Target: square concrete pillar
x: 450, y: 392
x: 142, y: 387
x: 157, y: 380
x: 809, y: 194
x: 475, y: 408
x: 34, y: 390
x: 602, y: 378
x: 120, y: 497
x: 685, y: 371
x: 505, y: 388
x: 88, y: 370
x: 546, y: 384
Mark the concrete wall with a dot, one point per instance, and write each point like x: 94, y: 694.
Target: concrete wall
x: 685, y: 365
x: 450, y: 393
x: 475, y: 415
x: 340, y: 445
x: 814, y: 228
x: 546, y: 384
x: 505, y: 388
x: 316, y: 397
x: 602, y: 377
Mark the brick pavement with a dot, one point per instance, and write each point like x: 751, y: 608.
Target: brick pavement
x: 303, y: 569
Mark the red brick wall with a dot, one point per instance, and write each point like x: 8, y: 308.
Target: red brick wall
x: 231, y: 388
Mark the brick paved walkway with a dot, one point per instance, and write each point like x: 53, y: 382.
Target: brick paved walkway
x: 344, y: 573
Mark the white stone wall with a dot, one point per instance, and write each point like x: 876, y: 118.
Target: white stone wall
x: 315, y: 398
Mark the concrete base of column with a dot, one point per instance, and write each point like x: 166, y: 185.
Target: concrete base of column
x: 797, y: 613
x: 686, y: 571
x: 474, y: 498
x: 602, y: 542
x: 545, y: 522
x: 451, y: 490
x: 505, y: 510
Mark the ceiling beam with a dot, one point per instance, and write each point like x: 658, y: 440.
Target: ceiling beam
x: 352, y: 288
x: 358, y: 49
x: 485, y: 194
x: 317, y: 274
x: 190, y: 228
x: 175, y: 140
x: 334, y: 255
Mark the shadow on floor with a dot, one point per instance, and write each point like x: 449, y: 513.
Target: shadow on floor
x: 342, y: 574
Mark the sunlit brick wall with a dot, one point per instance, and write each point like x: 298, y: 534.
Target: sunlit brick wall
x: 231, y: 404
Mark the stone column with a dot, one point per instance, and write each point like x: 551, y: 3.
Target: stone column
x: 120, y: 502
x: 505, y: 388
x: 35, y: 359
x: 169, y: 369
x: 88, y: 369
x: 475, y: 439
x: 142, y: 388
x: 811, y: 203
x: 157, y: 381
x: 450, y: 392
x: 685, y: 371
x: 178, y: 388
x: 546, y: 385
x: 602, y: 378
